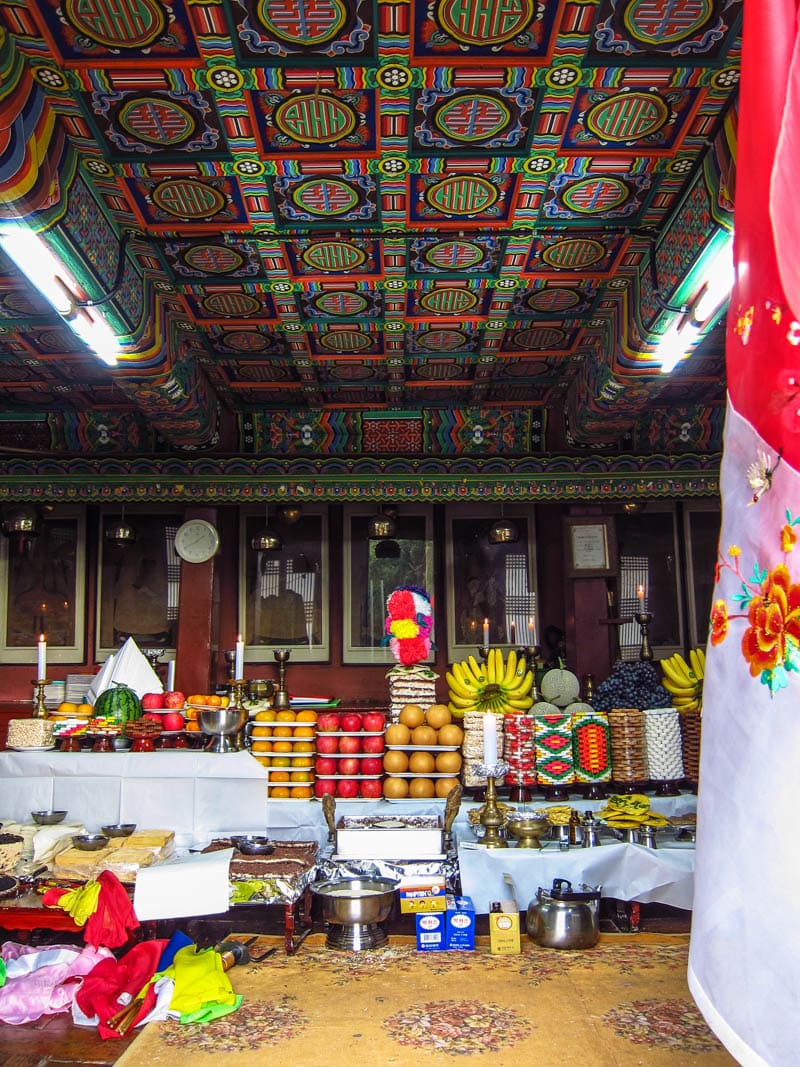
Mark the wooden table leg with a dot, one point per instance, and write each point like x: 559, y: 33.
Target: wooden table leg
x: 297, y: 909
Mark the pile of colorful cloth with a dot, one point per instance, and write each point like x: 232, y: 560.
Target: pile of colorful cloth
x: 155, y: 979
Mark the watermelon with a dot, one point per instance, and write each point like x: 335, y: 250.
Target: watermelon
x: 119, y: 702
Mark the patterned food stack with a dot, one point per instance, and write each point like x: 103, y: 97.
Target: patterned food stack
x: 553, y: 738
x: 591, y: 745
x: 411, y: 685
x: 473, y: 746
x: 628, y: 746
x: 519, y: 751
x: 662, y: 731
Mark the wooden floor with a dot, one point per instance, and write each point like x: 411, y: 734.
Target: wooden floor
x: 54, y: 1041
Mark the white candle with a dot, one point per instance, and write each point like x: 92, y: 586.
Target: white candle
x: 513, y: 632
x: 41, y: 661
x: 485, y: 633
x: 531, y: 633
x: 171, y: 674
x: 489, y: 740
x: 640, y: 594
x: 238, y: 659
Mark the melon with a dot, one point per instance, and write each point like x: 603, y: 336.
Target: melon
x: 118, y: 702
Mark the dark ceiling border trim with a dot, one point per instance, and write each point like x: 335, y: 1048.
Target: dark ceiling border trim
x: 241, y: 480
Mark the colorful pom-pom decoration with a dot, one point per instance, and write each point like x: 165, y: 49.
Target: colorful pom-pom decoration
x: 408, y: 624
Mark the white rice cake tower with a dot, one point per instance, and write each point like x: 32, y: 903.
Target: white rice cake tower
x: 411, y: 685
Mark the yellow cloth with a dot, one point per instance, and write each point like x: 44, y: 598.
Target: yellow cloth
x: 81, y: 903
x: 199, y: 980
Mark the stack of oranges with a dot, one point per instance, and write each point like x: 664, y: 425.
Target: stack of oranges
x: 198, y: 701
x: 283, y: 741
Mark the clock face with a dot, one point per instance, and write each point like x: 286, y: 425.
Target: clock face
x: 196, y: 541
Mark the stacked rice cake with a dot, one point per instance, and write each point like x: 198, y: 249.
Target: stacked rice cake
x: 411, y: 685
x: 123, y: 856
x: 30, y: 733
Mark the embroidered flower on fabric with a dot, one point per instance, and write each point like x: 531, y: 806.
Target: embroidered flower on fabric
x: 770, y: 603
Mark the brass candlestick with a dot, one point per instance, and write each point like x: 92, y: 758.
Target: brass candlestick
x: 39, y: 709
x: 644, y: 618
x: 230, y: 659
x: 281, y: 698
x: 490, y: 818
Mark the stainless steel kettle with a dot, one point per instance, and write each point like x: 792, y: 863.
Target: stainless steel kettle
x: 563, y: 917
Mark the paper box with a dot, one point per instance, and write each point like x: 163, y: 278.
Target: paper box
x: 422, y: 896
x: 453, y: 929
x: 431, y: 930
x: 504, y: 928
x: 460, y: 923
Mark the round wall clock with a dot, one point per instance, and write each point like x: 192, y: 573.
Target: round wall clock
x: 196, y: 541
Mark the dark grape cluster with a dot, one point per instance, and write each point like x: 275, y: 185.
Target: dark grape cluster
x: 631, y: 685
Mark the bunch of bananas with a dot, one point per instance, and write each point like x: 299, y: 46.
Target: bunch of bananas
x: 685, y: 680
x: 629, y: 811
x: 498, y: 685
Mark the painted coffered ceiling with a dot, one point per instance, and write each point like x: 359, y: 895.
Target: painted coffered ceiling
x: 350, y: 228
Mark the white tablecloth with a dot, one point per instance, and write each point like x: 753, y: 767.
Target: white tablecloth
x: 197, y: 794
x: 625, y: 872
x: 201, y: 795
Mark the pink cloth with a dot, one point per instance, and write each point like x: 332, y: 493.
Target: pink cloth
x: 49, y: 982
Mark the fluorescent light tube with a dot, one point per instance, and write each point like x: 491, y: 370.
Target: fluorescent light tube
x: 54, y: 281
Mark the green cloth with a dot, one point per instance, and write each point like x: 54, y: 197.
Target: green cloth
x: 2, y: 972
x: 209, y: 1012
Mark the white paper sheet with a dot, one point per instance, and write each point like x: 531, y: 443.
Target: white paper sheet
x: 129, y: 667
x: 191, y: 885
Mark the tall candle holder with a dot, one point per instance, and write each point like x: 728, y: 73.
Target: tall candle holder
x: 491, y: 818
x: 644, y: 618
x: 230, y: 659
x: 39, y: 709
x: 281, y: 698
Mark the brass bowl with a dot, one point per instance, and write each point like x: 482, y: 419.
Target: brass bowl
x: 527, y: 830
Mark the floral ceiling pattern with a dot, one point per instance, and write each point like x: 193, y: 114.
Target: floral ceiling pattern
x: 357, y: 228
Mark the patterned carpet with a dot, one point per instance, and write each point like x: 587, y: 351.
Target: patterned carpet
x: 621, y: 1003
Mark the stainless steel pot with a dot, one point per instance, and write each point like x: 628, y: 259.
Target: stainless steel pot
x: 347, y: 901
x: 563, y: 917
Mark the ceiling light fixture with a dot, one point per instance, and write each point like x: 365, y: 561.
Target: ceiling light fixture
x: 21, y: 526
x: 382, y: 526
x: 503, y: 531
x: 712, y: 280
x: 266, y: 540
x: 121, y: 533
x: 55, y: 282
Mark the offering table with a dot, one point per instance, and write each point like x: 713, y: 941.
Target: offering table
x: 624, y: 871
x: 197, y: 794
